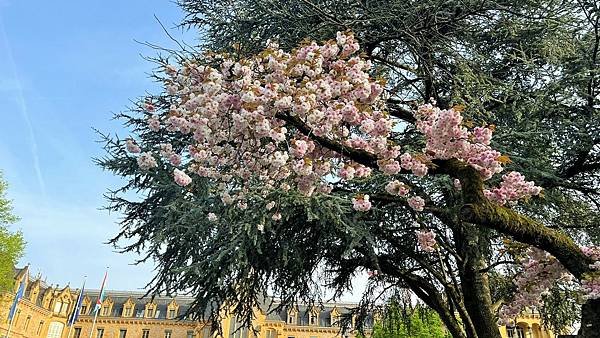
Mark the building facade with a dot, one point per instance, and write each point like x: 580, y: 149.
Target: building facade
x: 44, y: 309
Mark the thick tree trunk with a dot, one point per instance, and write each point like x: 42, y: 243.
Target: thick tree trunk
x: 590, y: 319
x: 474, y: 283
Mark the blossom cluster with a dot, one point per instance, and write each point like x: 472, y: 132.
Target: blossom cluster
x: 512, y: 188
x: 248, y: 119
x: 540, y: 271
x: 426, y: 240
x: 590, y: 285
x: 447, y: 138
x: 361, y: 203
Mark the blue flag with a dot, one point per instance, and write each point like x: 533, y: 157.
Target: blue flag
x: 73, y: 317
x: 18, y: 296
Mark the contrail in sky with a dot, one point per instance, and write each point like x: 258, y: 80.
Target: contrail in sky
x: 20, y: 98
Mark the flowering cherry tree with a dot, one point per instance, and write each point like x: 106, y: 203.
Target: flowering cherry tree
x: 314, y: 121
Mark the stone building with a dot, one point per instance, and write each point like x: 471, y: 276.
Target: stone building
x: 43, y: 312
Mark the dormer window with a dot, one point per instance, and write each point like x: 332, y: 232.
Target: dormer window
x: 107, y: 306
x: 335, y: 317
x: 150, y: 310
x: 172, y: 309
x: 128, y: 308
x: 292, y: 317
x: 34, y: 292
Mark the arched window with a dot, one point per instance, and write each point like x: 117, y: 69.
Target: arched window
x: 55, y: 330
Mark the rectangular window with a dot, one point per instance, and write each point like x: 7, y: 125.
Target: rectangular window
x: 100, y: 333
x: 145, y: 333
x: 520, y: 332
x: 171, y: 313
x: 83, y: 310
x: 150, y: 313
x: 57, y: 307
x: 510, y: 332
x: 105, y: 311
x: 16, y: 319
x: 77, y: 333
x: 40, y: 327
x: 191, y: 334
x: 167, y: 333
x: 122, y: 333
x: 27, y: 322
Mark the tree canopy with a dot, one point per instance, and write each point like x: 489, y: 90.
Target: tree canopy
x: 365, y: 179
x: 11, y: 243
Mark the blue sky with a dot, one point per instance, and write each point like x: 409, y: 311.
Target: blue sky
x: 65, y: 67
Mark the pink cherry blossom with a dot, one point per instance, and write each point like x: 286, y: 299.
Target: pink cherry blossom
x: 181, y: 177
x: 146, y: 161
x: 361, y: 203
x: 512, y: 188
x: 153, y: 123
x: 426, y: 240
x: 132, y: 147
x: 416, y: 202
x: 396, y: 188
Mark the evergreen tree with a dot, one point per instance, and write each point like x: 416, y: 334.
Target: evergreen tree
x: 527, y: 67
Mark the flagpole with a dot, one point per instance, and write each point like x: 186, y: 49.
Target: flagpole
x: 100, y: 302
x: 93, y: 323
x: 10, y: 326
x: 76, y: 309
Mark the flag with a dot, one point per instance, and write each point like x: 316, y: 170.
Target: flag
x: 75, y: 314
x: 18, y: 296
x: 101, y: 295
